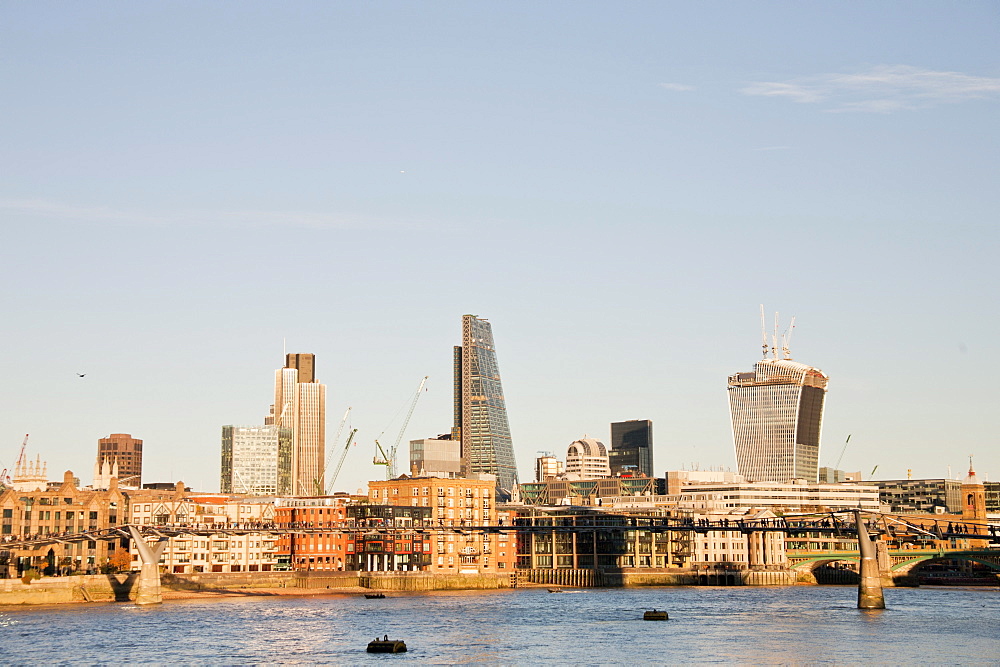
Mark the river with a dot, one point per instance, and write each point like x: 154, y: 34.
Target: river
x: 748, y: 625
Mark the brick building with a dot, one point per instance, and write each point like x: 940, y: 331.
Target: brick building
x: 454, y: 503
x: 327, y: 550
x: 54, y: 509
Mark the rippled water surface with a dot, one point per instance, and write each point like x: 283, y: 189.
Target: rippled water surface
x: 603, y: 626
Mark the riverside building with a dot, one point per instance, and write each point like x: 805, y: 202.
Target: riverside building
x: 619, y: 544
x: 328, y: 549
x: 479, y: 408
x: 187, y: 554
x: 55, y: 508
x: 799, y: 496
x: 452, y: 502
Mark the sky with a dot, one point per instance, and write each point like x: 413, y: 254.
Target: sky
x: 187, y: 189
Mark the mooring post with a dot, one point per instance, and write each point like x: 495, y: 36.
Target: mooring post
x: 148, y: 587
x: 870, y: 586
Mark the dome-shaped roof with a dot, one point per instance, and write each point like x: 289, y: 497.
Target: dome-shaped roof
x: 587, y: 447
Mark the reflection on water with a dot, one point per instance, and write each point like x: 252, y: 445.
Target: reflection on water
x: 603, y: 626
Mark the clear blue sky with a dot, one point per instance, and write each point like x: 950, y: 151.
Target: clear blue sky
x: 615, y: 186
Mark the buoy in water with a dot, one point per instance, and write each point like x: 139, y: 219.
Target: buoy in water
x: 655, y: 615
x: 386, y: 645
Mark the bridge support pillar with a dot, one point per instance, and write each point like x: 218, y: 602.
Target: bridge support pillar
x: 870, y: 586
x: 148, y: 586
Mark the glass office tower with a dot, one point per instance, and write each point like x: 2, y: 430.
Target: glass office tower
x: 256, y: 460
x: 632, y: 447
x: 480, y: 411
x: 777, y: 415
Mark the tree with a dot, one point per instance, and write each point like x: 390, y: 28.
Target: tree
x: 120, y: 560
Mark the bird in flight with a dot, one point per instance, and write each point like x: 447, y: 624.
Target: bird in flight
x: 80, y: 375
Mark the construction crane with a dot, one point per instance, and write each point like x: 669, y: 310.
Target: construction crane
x: 340, y: 463
x: 839, y: 458
x: 389, y: 459
x: 5, y: 475
x: 319, y: 486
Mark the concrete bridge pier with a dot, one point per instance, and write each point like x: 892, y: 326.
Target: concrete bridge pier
x: 870, y: 585
x: 148, y: 586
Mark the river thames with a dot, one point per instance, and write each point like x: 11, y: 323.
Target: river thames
x: 799, y: 625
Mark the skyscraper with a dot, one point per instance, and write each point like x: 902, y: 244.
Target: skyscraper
x: 632, y: 447
x: 480, y: 411
x: 126, y: 451
x: 300, y: 405
x: 777, y: 414
x: 257, y: 460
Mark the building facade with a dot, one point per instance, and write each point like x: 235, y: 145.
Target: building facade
x: 479, y: 407
x: 256, y: 460
x: 300, y: 405
x: 55, y: 509
x: 453, y: 502
x: 933, y: 496
x: 788, y: 497
x: 219, y: 552
x: 125, y: 451
x: 587, y: 491
x: 632, y: 447
x: 407, y: 547
x: 777, y: 418
x: 587, y: 458
x: 436, y: 457
x: 329, y: 549
x: 548, y: 466
x: 621, y: 543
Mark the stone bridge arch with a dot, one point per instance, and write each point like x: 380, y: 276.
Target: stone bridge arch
x: 906, y: 565
x: 810, y: 564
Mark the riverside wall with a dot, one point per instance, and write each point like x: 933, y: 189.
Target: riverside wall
x: 122, y: 587
x: 59, y: 590
x: 635, y: 577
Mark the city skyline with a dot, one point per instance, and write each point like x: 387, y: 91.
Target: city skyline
x: 617, y: 190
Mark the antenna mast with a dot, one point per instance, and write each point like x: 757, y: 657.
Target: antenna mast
x: 763, y: 332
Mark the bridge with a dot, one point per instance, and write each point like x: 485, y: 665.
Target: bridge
x: 900, y: 561
x: 151, y: 539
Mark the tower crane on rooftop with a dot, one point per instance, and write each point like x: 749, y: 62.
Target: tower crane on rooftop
x: 389, y: 459
x: 5, y: 475
x: 340, y: 463
x: 319, y: 484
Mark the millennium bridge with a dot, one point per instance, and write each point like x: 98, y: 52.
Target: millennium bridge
x: 151, y: 539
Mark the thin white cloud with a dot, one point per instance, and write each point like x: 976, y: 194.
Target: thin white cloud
x: 882, y: 89
x: 80, y: 214
x: 676, y: 87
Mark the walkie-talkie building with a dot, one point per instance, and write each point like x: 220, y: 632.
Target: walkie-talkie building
x: 480, y: 410
x: 777, y: 413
